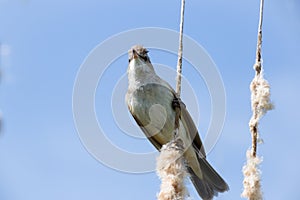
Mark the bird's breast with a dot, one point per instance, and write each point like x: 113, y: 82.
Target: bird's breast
x: 151, y: 106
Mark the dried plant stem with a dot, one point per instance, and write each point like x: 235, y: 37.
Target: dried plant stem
x: 257, y: 68
x: 170, y: 163
x: 260, y: 103
x: 179, y: 66
x: 180, y: 50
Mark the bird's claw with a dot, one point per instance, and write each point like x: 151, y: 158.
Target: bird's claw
x: 177, y: 103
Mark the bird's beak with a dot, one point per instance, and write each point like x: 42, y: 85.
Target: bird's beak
x: 135, y: 54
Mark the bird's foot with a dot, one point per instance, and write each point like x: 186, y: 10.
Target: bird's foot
x: 177, y: 103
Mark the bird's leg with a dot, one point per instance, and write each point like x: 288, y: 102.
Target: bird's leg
x: 176, y: 105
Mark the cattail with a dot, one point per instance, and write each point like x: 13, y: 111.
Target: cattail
x: 252, y: 186
x: 260, y: 104
x: 172, y: 172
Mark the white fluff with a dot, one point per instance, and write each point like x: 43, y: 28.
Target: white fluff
x: 172, y: 172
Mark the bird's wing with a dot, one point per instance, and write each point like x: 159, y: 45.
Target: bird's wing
x: 190, y: 127
x: 154, y: 140
x: 192, y: 130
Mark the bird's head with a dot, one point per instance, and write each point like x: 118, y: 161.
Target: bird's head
x: 139, y: 60
x: 139, y: 55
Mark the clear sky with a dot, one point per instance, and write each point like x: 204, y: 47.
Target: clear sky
x: 44, y: 44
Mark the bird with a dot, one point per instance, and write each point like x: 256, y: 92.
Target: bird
x: 152, y: 102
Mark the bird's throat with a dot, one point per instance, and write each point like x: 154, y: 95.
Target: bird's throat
x: 139, y: 73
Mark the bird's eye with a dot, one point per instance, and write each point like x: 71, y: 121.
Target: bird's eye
x: 145, y: 58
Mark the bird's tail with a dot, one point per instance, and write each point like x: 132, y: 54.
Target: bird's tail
x: 210, y: 184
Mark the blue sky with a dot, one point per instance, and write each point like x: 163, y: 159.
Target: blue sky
x: 41, y: 155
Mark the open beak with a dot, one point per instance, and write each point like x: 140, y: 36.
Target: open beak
x: 134, y: 54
